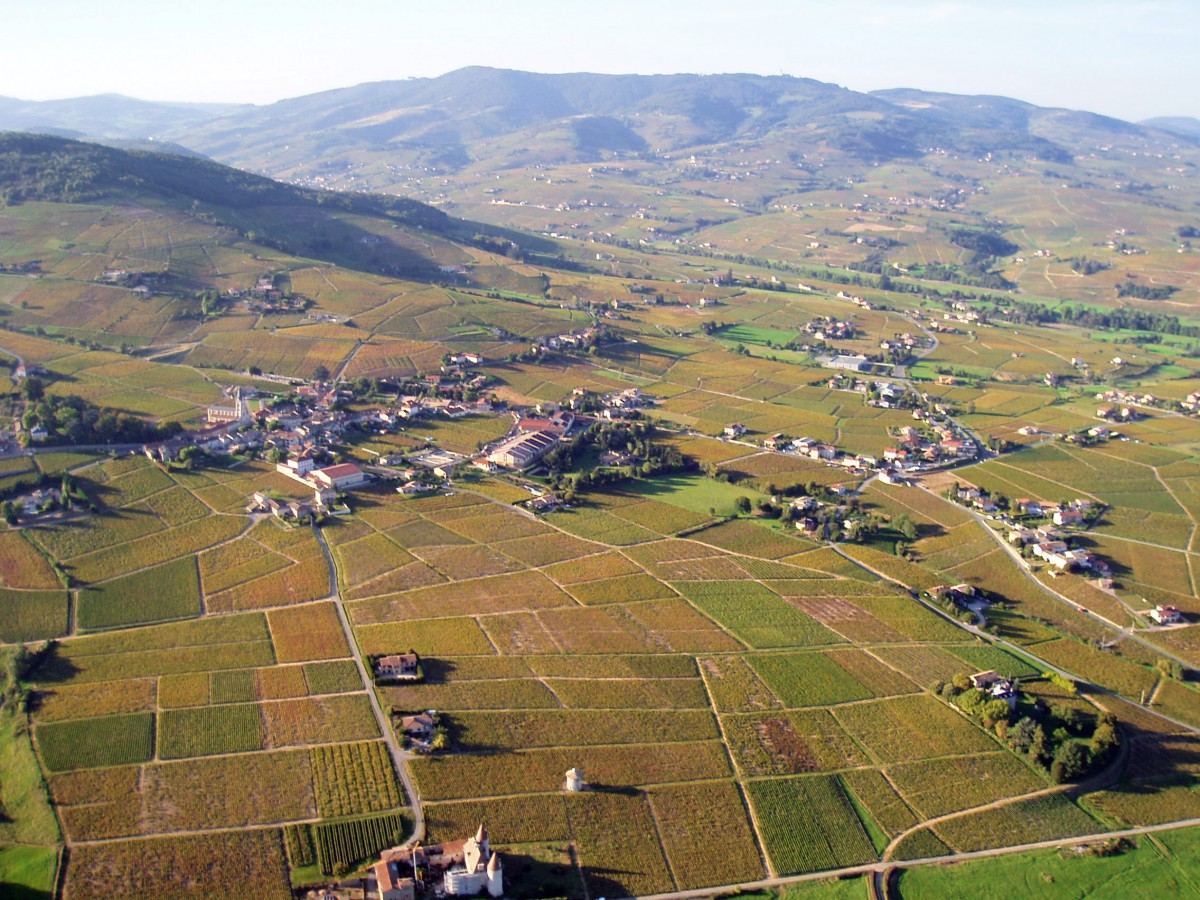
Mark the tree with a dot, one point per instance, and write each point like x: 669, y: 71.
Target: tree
x: 320, y: 373
x: 33, y: 389
x: 1105, y: 739
x: 742, y: 505
x: 1020, y: 736
x: 1070, y: 761
x: 1039, y: 748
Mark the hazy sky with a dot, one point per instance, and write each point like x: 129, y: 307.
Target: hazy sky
x: 1133, y: 59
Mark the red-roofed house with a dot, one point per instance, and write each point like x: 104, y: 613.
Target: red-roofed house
x: 339, y: 477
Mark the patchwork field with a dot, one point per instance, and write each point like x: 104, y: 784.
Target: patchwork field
x: 743, y: 697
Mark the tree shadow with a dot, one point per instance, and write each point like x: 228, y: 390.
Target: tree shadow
x: 48, y: 665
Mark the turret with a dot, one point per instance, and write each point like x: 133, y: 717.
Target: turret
x: 481, y: 837
x: 495, y: 877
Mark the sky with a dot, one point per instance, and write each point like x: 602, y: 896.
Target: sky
x: 1133, y: 60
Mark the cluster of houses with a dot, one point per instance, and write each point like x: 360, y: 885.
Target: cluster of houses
x: 939, y: 442
x: 828, y: 328
x: 610, y: 406
x: 265, y: 297
x: 140, y: 283
x: 1050, y: 545
x: 817, y: 518
x: 916, y: 449
x: 1119, y: 414
x: 569, y: 340
x: 857, y: 301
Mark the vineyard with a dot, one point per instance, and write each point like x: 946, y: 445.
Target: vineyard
x: 209, y: 730
x: 90, y: 743
x: 350, y: 779
x: 809, y: 824
x: 343, y: 845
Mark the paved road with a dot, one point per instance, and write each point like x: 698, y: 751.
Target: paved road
x: 399, y: 756
x: 1020, y: 651
x: 882, y: 867
x: 1123, y: 631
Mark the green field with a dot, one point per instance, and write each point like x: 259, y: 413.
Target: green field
x: 1154, y: 866
x: 697, y: 493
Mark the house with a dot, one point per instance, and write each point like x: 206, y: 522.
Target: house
x: 984, y: 680
x: 1029, y: 507
x: 544, y: 503
x: 339, y: 477
x: 297, y: 466
x: 399, y: 667
x: 419, y: 726
x: 1068, y: 517
x: 1022, y: 535
x: 412, y: 488
x: 737, y: 429
x: 1166, y: 615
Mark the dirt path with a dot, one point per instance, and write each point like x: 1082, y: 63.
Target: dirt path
x: 399, y: 757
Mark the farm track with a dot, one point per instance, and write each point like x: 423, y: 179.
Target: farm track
x: 1187, y: 556
x: 399, y: 757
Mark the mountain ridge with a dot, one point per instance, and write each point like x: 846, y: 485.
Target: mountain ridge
x: 438, y: 120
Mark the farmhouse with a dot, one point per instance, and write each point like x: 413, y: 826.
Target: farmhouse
x: 419, y: 726
x: 399, y: 667
x: 339, y: 477
x: 1068, y: 517
x: 1166, y: 615
x: 413, y: 488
